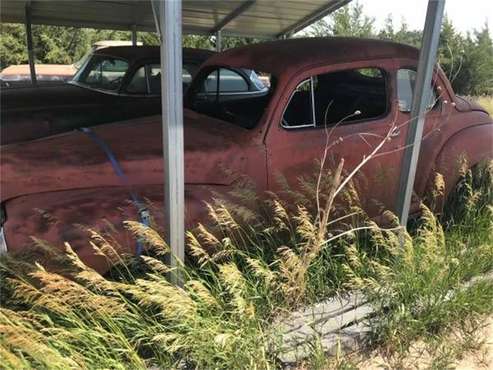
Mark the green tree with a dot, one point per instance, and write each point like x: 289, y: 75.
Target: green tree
x: 451, y: 54
x: 347, y: 21
x: 13, y: 48
x: 403, y: 35
x: 477, y: 69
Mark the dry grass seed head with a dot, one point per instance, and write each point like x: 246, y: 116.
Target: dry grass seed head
x: 197, y: 250
x: 173, y: 301
x: 261, y: 270
x: 236, y: 284
x: 103, y: 248
x: 292, y: 275
x: 156, y: 265
x: 431, y: 235
x: 147, y: 236
x: 304, y: 224
x: 281, y: 218
x: 207, y: 237
x: 19, y: 336
x: 197, y: 289
x: 62, y: 292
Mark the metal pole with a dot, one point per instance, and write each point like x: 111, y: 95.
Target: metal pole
x: 219, y: 39
x: 427, y: 58
x: 134, y: 35
x: 29, y: 39
x: 169, y: 26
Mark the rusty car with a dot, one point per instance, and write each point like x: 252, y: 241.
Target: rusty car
x: 360, y: 91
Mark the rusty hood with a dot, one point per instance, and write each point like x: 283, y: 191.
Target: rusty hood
x: 75, y: 161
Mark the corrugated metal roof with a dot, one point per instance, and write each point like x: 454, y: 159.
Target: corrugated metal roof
x: 260, y: 18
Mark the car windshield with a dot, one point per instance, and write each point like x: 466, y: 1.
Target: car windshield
x: 238, y: 96
x: 102, y: 72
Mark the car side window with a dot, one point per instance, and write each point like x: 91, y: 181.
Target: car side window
x: 299, y: 112
x: 147, y: 80
x: 338, y: 98
x: 138, y: 84
x: 406, y: 79
x: 229, y: 82
x: 154, y: 79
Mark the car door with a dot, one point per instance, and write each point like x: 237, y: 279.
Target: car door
x: 348, y: 109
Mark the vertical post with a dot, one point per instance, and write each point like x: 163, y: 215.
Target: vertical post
x: 421, y: 97
x: 219, y: 40
x: 29, y: 39
x: 169, y: 27
x: 134, y: 35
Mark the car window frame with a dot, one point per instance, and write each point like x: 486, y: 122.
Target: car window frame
x: 124, y: 90
x: 131, y: 73
x: 312, y: 103
x: 386, y: 73
x: 147, y: 64
x: 238, y: 72
x: 435, y: 82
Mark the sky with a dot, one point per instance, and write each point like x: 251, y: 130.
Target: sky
x: 466, y: 15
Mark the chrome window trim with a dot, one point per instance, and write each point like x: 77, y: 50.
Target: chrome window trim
x: 312, y: 103
x: 84, y: 86
x: 3, y: 242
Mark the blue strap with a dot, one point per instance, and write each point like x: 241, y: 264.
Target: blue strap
x: 143, y: 212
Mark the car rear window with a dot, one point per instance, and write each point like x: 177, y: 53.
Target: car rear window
x: 239, y: 96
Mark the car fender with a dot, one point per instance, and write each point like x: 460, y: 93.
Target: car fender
x: 68, y: 216
x: 473, y: 144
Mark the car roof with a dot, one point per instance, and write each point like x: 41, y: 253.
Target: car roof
x: 135, y: 53
x: 289, y: 56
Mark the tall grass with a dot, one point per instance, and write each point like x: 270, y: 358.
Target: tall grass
x: 486, y: 102
x: 245, y: 269
x: 423, y: 289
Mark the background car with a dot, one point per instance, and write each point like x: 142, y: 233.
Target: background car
x: 113, y: 84
x: 20, y: 74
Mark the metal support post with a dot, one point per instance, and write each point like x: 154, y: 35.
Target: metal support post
x: 427, y: 58
x: 219, y: 39
x: 29, y: 39
x: 169, y: 26
x: 134, y: 35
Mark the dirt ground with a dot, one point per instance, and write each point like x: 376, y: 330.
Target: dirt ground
x: 483, y: 358
x: 479, y: 358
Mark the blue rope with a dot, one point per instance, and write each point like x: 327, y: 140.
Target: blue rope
x: 143, y: 212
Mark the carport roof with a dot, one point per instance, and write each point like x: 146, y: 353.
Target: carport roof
x: 259, y: 18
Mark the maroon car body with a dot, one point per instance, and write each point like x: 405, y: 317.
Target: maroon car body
x: 50, y: 186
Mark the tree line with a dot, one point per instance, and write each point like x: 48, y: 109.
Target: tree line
x: 466, y: 59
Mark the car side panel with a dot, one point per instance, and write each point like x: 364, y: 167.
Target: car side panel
x: 67, y: 216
